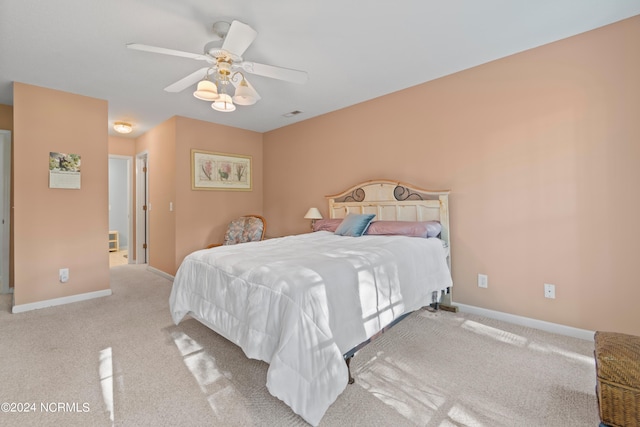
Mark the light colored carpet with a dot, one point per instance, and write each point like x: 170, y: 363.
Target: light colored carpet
x: 121, y: 357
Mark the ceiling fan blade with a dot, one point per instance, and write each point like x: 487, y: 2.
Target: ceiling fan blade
x: 190, y: 80
x: 286, y: 74
x: 239, y: 38
x: 164, y: 51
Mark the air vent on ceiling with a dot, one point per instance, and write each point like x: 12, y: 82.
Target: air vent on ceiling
x: 292, y: 113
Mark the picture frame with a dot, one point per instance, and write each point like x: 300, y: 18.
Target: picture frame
x: 64, y: 170
x: 220, y: 171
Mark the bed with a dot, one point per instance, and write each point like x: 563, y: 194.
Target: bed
x: 305, y: 303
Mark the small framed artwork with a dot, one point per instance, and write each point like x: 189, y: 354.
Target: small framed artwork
x: 64, y: 170
x: 220, y: 171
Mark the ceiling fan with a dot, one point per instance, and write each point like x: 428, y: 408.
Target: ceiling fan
x: 226, y: 68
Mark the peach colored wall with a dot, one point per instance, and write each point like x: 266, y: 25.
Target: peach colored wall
x: 198, y: 217
x: 122, y: 146
x: 160, y: 143
x: 6, y: 117
x: 127, y: 147
x: 541, y: 153
x: 203, y: 215
x: 55, y: 228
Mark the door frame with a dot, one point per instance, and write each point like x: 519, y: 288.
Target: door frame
x: 5, y: 194
x: 142, y: 211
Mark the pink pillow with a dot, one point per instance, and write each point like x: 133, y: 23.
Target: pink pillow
x: 327, y: 224
x: 405, y: 228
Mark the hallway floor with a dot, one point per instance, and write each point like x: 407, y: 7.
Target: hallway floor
x: 118, y: 258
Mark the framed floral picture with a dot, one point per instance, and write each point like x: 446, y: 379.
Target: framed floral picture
x: 220, y: 171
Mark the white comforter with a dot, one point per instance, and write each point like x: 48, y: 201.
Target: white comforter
x: 300, y: 302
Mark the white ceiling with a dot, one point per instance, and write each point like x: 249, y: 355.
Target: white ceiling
x: 353, y: 51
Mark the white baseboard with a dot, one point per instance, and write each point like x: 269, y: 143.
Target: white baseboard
x: 529, y: 322
x: 60, y: 301
x: 160, y: 273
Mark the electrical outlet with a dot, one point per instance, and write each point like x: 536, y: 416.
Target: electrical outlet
x: 483, y: 281
x: 549, y: 291
x: 64, y: 275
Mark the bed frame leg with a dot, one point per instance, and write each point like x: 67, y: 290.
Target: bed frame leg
x: 348, y: 362
x: 445, y: 302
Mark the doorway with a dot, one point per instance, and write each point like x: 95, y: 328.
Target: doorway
x: 120, y: 209
x: 5, y: 209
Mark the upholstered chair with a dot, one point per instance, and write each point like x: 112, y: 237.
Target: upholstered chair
x: 248, y: 228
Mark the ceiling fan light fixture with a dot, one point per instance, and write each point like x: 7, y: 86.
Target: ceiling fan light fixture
x: 206, y: 91
x: 122, y: 127
x: 224, y: 56
x: 244, y: 95
x: 224, y: 104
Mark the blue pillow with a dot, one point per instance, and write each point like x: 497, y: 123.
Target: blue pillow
x: 354, y: 225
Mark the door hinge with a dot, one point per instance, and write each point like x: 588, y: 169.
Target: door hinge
x: 144, y: 169
x: 144, y: 207
x: 144, y: 246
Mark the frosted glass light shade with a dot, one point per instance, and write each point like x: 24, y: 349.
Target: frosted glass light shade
x: 122, y: 127
x: 206, y: 91
x: 224, y: 104
x: 244, y: 95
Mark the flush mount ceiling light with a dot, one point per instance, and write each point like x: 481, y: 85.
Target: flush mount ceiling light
x: 122, y: 127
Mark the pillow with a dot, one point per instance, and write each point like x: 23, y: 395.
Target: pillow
x: 234, y: 231
x: 405, y: 228
x: 327, y: 224
x: 434, y: 228
x: 252, y: 229
x: 354, y: 225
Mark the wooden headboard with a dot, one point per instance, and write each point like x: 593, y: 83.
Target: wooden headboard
x: 394, y: 201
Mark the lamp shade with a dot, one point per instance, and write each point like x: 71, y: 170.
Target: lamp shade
x: 244, y: 95
x: 206, y: 91
x: 313, y: 213
x: 224, y: 104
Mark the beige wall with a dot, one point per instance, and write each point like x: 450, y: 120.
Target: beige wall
x: 539, y: 149
x: 198, y: 217
x: 6, y: 117
x: 541, y: 153
x: 160, y: 144
x: 122, y: 146
x: 202, y: 216
x: 56, y: 228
